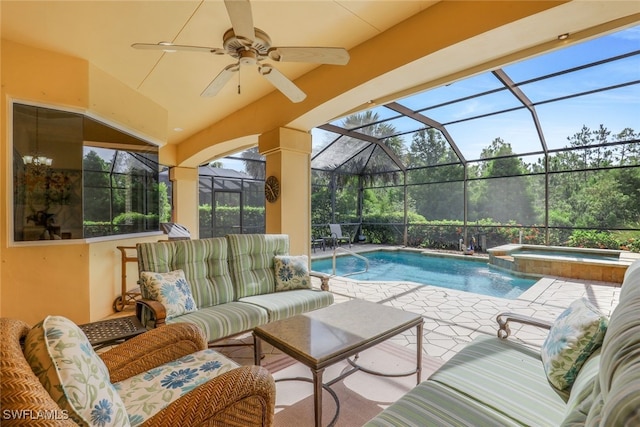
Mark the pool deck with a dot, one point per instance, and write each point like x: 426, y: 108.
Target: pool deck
x: 454, y: 318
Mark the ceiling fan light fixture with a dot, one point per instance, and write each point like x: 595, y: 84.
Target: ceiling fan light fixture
x: 248, y: 57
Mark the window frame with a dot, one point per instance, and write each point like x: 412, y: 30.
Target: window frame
x: 10, y: 207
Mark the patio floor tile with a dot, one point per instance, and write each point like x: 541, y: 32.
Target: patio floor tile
x: 454, y: 318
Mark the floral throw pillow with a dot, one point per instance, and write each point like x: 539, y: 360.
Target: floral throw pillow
x: 62, y: 358
x: 575, y: 335
x: 171, y: 289
x: 292, y: 272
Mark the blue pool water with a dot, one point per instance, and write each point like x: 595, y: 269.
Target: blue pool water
x: 566, y: 254
x: 446, y: 272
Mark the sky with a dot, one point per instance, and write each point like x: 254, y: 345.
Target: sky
x: 615, y: 109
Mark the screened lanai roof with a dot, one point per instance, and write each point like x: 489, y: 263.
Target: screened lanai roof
x: 534, y: 105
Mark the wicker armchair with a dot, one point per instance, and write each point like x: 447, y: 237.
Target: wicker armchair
x: 244, y: 396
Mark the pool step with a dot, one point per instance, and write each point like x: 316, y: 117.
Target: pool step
x: 503, y: 261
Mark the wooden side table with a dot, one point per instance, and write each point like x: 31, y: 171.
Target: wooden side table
x: 112, y: 331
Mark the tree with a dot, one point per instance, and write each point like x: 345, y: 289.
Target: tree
x: 438, y: 196
x: 371, y: 161
x: 627, y: 154
x: 96, y: 197
x: 370, y: 165
x: 505, y: 195
x: 254, y: 163
x: 600, y: 203
x: 165, y: 206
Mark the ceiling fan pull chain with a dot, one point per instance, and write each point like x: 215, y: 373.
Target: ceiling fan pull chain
x: 239, y: 80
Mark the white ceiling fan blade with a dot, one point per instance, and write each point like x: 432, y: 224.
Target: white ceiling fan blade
x: 221, y: 79
x: 282, y: 83
x: 170, y: 47
x: 241, y: 19
x: 319, y: 55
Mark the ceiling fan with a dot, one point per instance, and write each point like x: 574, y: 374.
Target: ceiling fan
x: 250, y: 46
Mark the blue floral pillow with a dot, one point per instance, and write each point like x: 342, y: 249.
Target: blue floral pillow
x: 171, y: 289
x: 575, y: 335
x: 62, y: 358
x: 292, y: 272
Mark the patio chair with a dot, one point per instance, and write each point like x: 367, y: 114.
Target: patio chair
x: 215, y: 391
x: 338, y: 236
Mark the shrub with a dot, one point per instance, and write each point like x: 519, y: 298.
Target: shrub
x: 593, y: 239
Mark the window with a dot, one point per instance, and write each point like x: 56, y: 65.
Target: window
x: 75, y: 177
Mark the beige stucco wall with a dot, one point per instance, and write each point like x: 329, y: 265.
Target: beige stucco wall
x: 76, y: 279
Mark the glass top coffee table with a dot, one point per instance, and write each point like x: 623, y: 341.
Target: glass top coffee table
x: 320, y: 338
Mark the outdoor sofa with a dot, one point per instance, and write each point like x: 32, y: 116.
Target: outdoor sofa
x: 232, y: 284
x: 571, y: 380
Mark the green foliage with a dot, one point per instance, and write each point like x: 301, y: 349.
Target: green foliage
x: 96, y: 229
x: 122, y: 197
x: 130, y: 222
x: 165, y: 206
x: 388, y: 229
x: 135, y: 221
x: 204, y: 214
x: 593, y: 239
x: 632, y: 245
x: 227, y: 217
x: 96, y: 184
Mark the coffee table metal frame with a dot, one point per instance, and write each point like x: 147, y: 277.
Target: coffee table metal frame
x: 333, y: 321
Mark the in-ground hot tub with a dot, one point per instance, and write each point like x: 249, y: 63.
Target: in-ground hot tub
x: 604, y: 265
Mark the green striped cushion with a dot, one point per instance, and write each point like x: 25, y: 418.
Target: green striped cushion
x: 431, y: 404
x: 507, y: 377
x: 203, y: 261
x: 227, y: 319
x: 619, y: 376
x: 582, y: 396
x: 595, y: 412
x: 285, y: 304
x: 251, y: 261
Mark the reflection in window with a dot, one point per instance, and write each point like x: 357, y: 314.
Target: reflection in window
x: 121, y: 191
x: 231, y: 195
x: 76, y: 178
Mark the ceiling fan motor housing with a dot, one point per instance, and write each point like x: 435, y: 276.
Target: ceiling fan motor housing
x: 247, y: 51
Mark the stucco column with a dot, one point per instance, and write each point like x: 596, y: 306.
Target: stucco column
x: 288, y: 158
x: 185, y: 198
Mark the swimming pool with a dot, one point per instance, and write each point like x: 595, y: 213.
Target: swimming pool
x: 469, y: 275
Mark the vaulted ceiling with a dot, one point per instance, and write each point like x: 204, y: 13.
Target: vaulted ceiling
x: 396, y: 48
